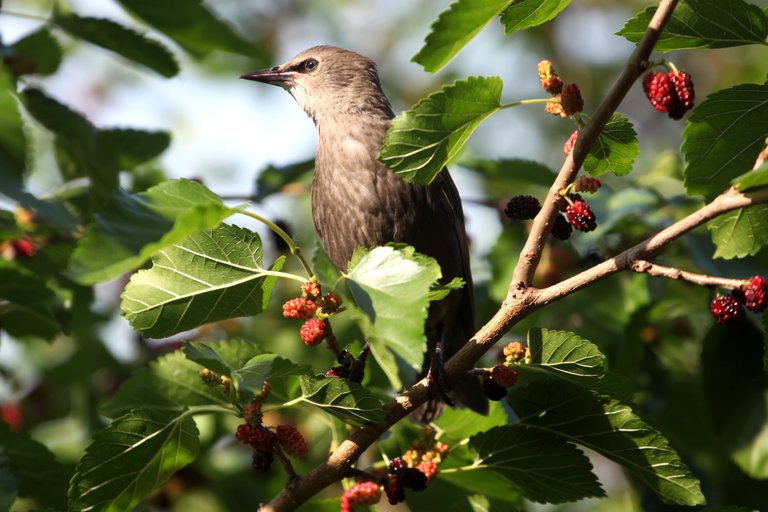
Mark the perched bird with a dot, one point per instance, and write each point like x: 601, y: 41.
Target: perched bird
x: 357, y: 201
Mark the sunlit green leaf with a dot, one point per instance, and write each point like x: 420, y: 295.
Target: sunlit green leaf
x: 752, y: 179
x: 543, y: 467
x: 134, y: 455
x: 723, y: 137
x: 348, y: 401
x: 459, y: 423
x: 133, y: 226
x: 267, y: 367
x: 122, y: 40
x: 565, y: 354
x: 13, y: 141
x: 611, y: 429
x: 209, y: 276
x: 454, y: 28
x: 704, y: 24
x: 740, y: 233
x: 524, y: 14
x: 391, y: 286
x: 614, y: 150
x: 425, y: 138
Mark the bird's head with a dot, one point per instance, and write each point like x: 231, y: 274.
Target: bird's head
x: 327, y: 81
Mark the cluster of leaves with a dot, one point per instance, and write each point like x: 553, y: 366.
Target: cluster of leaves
x: 201, y: 271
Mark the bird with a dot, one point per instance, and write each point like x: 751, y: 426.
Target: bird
x: 358, y: 202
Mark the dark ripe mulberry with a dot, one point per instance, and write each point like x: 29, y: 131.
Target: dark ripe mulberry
x: 413, y: 479
x: 397, y: 466
x: 262, y: 439
x: 522, y: 207
x: 262, y: 461
x: 726, y: 309
x: 561, y: 229
x: 492, y: 390
x: 394, y: 490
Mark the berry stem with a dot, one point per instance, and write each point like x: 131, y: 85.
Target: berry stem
x: 295, y: 249
x: 330, y: 339
x: 287, y: 466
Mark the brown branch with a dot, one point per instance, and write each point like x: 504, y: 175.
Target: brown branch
x: 655, y: 270
x: 520, y: 300
x: 729, y: 200
x: 542, y: 225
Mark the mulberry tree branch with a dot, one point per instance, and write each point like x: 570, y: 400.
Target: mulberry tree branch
x: 542, y: 225
x: 652, y: 269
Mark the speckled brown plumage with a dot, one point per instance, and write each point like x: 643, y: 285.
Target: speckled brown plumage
x: 356, y: 201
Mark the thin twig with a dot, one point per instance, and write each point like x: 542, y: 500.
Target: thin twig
x: 655, y: 270
x: 287, y: 466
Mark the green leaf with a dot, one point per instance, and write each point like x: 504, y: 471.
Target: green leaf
x: 30, y: 307
x: 740, y: 420
x: 223, y: 357
x: 391, y: 285
x: 454, y: 28
x: 542, y: 467
x: 348, y: 401
x: 610, y: 428
x: 740, y: 233
x: 425, y: 138
x: 9, y: 483
x: 168, y: 384
x: 210, y: 276
x: 13, y: 141
x: 460, y: 423
x: 191, y: 25
x: 524, y: 14
x: 41, y: 49
x: 704, y: 24
x: 134, y: 147
x: 38, y: 474
x: 134, y: 455
x: 615, y: 149
x: 268, y: 367
x: 120, y: 39
x: 133, y: 226
x: 565, y: 355
x: 752, y: 179
x: 272, y: 179
x: 79, y: 140
x: 723, y: 137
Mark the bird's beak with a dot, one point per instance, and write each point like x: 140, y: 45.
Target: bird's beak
x: 272, y: 76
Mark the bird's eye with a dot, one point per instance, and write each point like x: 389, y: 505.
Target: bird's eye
x: 310, y: 64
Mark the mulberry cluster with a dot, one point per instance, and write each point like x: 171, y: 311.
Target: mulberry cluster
x: 566, y: 99
x: 361, y: 494
x: 315, y: 309
x: 729, y: 309
x: 500, y: 378
x: 670, y: 92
